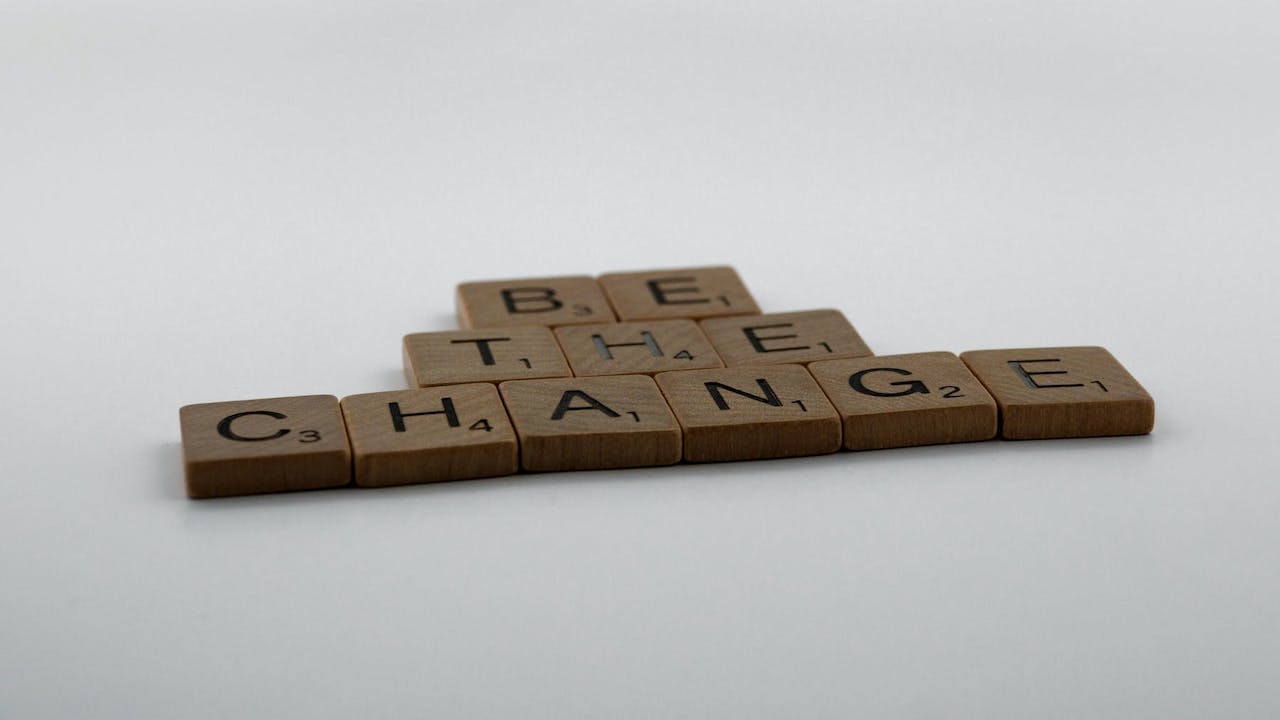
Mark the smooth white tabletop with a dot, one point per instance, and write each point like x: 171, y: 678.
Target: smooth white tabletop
x: 215, y: 201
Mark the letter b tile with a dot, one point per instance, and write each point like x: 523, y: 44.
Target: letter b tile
x: 550, y: 302
x: 260, y: 446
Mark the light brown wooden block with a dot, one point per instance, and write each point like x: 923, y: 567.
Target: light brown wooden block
x: 1062, y: 392
x: 904, y: 400
x: 636, y: 348
x: 455, y: 432
x: 591, y: 423
x: 790, y: 337
x: 465, y: 356
x: 751, y: 413
x: 549, y: 302
x: 260, y: 446
x: 678, y: 293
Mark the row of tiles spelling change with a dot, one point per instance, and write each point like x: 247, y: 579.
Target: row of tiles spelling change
x: 455, y: 432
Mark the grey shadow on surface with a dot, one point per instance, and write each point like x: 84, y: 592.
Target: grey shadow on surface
x: 863, y: 466
x: 167, y: 460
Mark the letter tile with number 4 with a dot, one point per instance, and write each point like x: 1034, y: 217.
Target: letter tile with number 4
x: 591, y: 423
x: 550, y: 302
x: 260, y: 446
x: 454, y: 432
x: 636, y: 348
x: 790, y: 337
x: 751, y: 413
x: 1062, y: 392
x: 904, y: 400
x: 678, y: 293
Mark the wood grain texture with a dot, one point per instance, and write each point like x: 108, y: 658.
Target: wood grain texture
x: 751, y: 413
x: 591, y: 423
x: 906, y: 400
x: 697, y: 292
x: 454, y: 432
x: 465, y: 356
x: 1062, y: 392
x: 547, y: 301
x: 783, y: 338
x: 636, y: 348
x: 245, y: 447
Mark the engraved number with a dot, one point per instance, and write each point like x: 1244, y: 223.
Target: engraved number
x: 581, y: 309
x: 1099, y: 384
x: 634, y: 414
x: 801, y: 404
x: 683, y: 355
x: 828, y: 347
x: 951, y: 391
x: 526, y: 362
x: 481, y: 424
x: 309, y: 436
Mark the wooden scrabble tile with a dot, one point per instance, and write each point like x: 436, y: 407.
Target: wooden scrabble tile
x: 454, y: 432
x: 790, y: 337
x: 751, y: 413
x: 903, y: 400
x: 465, y: 356
x: 591, y: 423
x: 636, y: 348
x: 1062, y: 392
x: 678, y: 293
x: 261, y: 446
x: 567, y: 300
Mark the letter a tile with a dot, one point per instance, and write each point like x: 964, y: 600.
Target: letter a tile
x: 453, y: 432
x: 550, y: 302
x: 903, y: 400
x: 261, y: 446
x: 1062, y: 392
x: 751, y: 413
x: 591, y: 423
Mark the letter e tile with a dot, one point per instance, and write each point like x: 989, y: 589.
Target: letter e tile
x: 1062, y: 392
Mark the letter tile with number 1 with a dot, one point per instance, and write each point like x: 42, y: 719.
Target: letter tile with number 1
x: 678, y: 293
x: 790, y: 337
x: 751, y: 413
x: 591, y: 423
x: 453, y: 357
x: 1062, y: 392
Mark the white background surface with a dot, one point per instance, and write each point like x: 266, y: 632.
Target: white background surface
x: 214, y: 201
